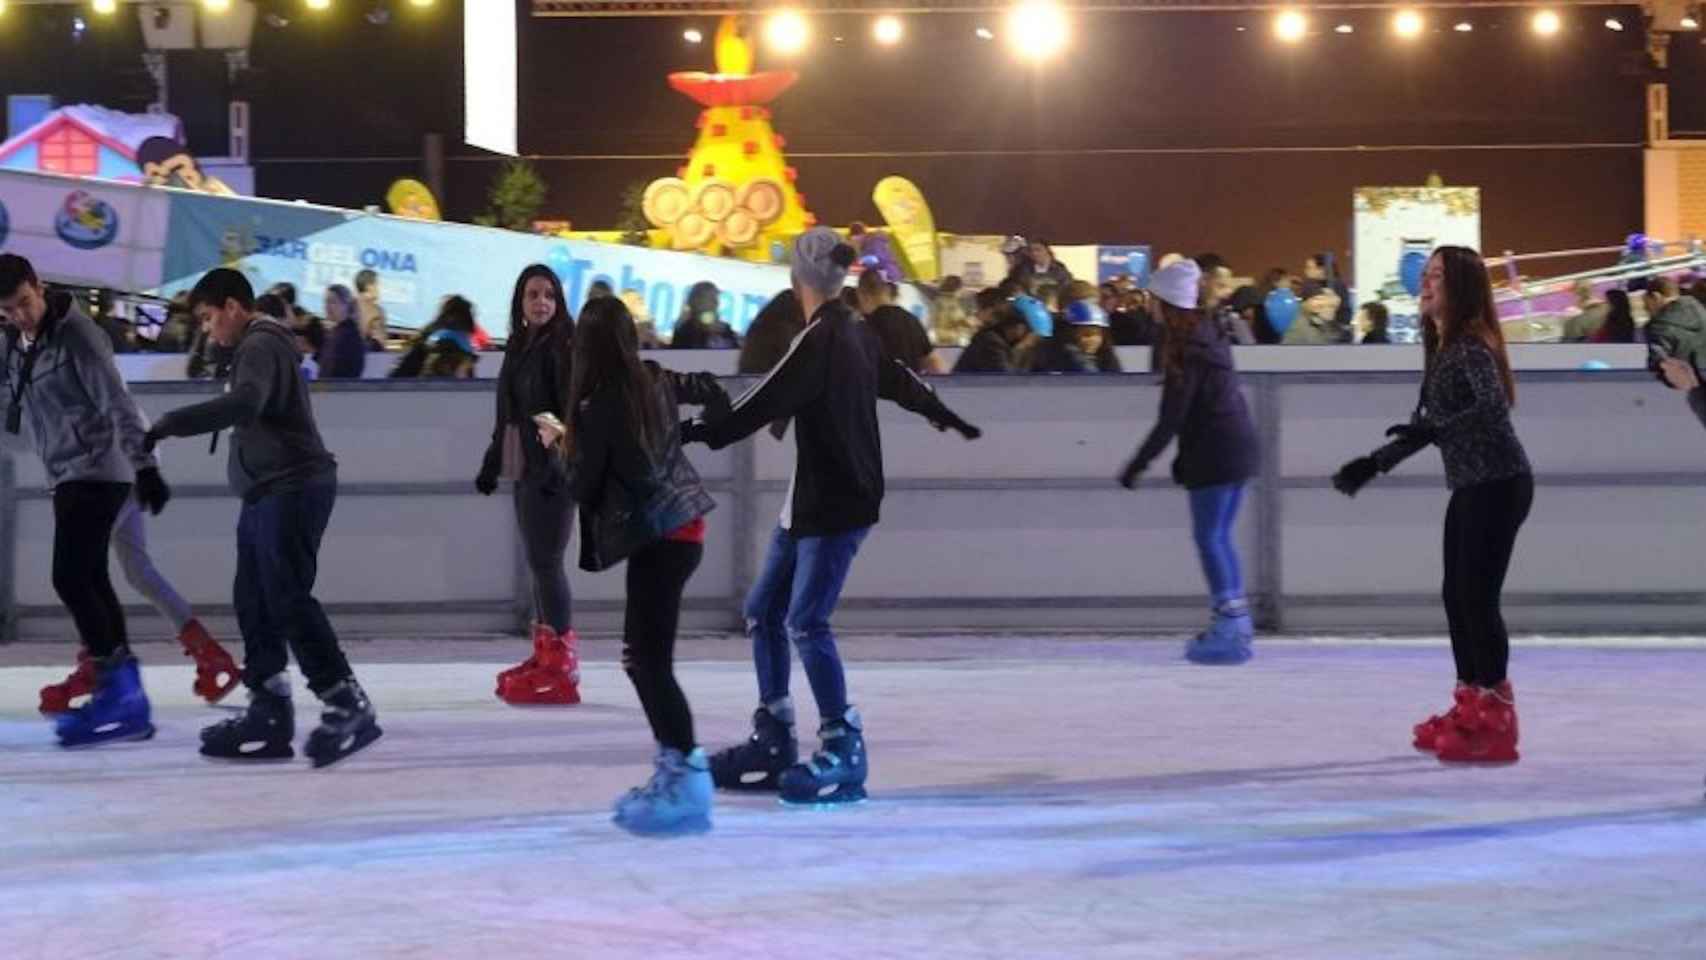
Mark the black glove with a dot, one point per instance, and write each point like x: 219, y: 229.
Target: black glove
x: 956, y: 423
x: 1415, y: 431
x: 151, y: 439
x: 1355, y: 475
x: 151, y: 490
x: 692, y: 431
x: 486, y: 483
x: 1129, y: 473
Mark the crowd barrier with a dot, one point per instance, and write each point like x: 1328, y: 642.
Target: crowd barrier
x: 1021, y: 530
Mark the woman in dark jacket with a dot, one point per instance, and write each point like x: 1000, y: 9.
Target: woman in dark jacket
x: 345, y: 355
x: 455, y: 314
x: 641, y: 501
x: 1202, y: 405
x: 533, y: 385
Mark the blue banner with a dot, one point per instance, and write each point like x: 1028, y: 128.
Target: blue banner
x: 1129, y: 261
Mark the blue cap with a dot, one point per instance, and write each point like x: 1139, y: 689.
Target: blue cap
x: 1035, y: 314
x: 1083, y: 313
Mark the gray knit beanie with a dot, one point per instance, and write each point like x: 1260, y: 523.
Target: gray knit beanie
x: 821, y: 260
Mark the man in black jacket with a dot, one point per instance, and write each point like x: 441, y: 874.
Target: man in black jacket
x: 829, y: 383
x: 288, y: 483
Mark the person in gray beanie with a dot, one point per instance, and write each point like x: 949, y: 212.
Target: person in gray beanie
x: 828, y: 383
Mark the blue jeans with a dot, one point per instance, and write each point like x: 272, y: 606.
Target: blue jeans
x: 792, y: 602
x: 278, y: 558
x: 1214, y: 510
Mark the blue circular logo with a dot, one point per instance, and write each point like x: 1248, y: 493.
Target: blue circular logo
x: 86, y: 221
x: 5, y: 226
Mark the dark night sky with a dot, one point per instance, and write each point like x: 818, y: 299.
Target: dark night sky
x: 336, y: 87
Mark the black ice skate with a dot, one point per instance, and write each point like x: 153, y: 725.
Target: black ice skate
x: 347, y: 724
x: 758, y: 763
x: 835, y: 774
x: 262, y: 732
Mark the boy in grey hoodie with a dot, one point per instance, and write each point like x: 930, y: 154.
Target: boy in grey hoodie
x: 1676, y: 341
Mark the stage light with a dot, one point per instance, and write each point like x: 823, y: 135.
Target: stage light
x: 1690, y: 20
x: 888, y: 30
x: 692, y: 36
x: 1037, y: 30
x: 1614, y: 24
x: 1407, y: 24
x: 1344, y: 28
x: 319, y: 4
x: 1546, y: 23
x: 984, y: 33
x: 1464, y: 27
x: 787, y: 32
x: 105, y: 7
x: 1290, y: 26
x: 216, y: 6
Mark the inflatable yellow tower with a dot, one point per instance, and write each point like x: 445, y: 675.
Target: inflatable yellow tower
x: 736, y: 195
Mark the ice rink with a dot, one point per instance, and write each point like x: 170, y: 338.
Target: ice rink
x: 1031, y: 798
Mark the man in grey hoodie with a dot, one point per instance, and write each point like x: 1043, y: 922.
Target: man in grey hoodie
x: 1676, y: 341
x: 288, y: 483
x: 58, y: 370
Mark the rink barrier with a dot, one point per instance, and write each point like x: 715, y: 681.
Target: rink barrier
x: 1022, y: 530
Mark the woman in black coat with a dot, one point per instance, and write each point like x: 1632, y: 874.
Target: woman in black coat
x: 641, y: 501
x: 533, y: 385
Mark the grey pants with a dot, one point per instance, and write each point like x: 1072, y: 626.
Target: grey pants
x: 130, y: 545
x: 546, y: 521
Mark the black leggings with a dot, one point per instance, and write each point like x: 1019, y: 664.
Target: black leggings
x: 657, y: 574
x: 83, y: 517
x: 1480, y: 533
x: 546, y: 521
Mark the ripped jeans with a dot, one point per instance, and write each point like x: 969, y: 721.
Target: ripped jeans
x: 791, y: 603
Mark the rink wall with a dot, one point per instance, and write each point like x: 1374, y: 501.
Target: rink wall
x: 1023, y: 529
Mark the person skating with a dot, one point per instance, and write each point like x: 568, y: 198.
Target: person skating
x: 58, y: 370
x: 1467, y: 393
x: 288, y: 483
x: 534, y: 383
x: 1203, y: 405
x: 641, y: 501
x: 828, y: 383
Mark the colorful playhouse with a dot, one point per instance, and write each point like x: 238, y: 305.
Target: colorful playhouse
x: 87, y: 141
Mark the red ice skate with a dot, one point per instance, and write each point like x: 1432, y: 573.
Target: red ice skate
x: 1427, y: 732
x: 551, y: 676
x: 1485, y: 731
x: 216, y: 674
x: 57, y: 697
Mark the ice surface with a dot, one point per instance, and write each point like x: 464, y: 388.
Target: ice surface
x: 1031, y: 798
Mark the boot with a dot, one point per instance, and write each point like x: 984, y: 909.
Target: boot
x: 551, y: 676
x: 1226, y: 642
x: 836, y: 773
x: 347, y: 724
x: 57, y: 697
x: 1485, y: 731
x: 1427, y: 733
x: 216, y: 674
x: 117, y: 709
x: 677, y: 800
x: 756, y: 763
x: 262, y: 732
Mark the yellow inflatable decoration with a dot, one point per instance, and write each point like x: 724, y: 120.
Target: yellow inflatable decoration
x: 736, y: 194
x: 412, y: 198
x: 902, y: 205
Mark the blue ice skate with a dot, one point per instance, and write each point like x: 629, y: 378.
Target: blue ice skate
x: 1226, y: 642
x: 676, y: 801
x: 116, y: 711
x: 835, y: 775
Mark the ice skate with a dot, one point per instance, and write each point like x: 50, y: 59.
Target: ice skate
x: 1226, y: 642
x: 117, y: 709
x: 262, y: 732
x: 1427, y: 733
x: 1485, y: 731
x: 347, y: 724
x: 216, y: 674
x: 550, y: 677
x: 57, y: 697
x: 758, y: 763
x: 676, y: 801
x: 835, y: 775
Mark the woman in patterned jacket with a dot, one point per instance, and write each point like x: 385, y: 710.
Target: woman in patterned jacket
x: 1467, y: 393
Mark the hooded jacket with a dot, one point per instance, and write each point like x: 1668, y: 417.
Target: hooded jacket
x: 84, y: 422
x: 1678, y: 330
x: 276, y: 447
x: 1202, y: 405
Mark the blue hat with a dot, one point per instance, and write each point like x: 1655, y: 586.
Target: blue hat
x: 1035, y: 314
x: 1083, y: 313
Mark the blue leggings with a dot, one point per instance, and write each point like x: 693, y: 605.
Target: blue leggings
x: 1214, y: 510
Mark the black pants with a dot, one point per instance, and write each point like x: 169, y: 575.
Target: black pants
x: 83, y: 517
x: 546, y: 521
x: 657, y: 575
x: 1480, y: 533
x: 278, y: 559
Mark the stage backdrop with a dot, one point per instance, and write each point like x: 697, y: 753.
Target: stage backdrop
x: 1396, y: 229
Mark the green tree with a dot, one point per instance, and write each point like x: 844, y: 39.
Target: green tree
x: 516, y: 197
x: 632, y: 220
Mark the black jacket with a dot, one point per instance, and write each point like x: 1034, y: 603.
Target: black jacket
x: 345, y: 354
x: 277, y: 446
x: 1203, y: 406
x: 631, y: 494
x: 829, y: 383
x: 988, y: 352
x: 534, y: 379
x: 1463, y: 407
x: 1061, y: 355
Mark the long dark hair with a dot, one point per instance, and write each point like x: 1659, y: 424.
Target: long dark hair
x: 1620, y: 320
x: 518, y: 321
x: 1177, y: 325
x: 1471, y: 311
x: 607, y: 355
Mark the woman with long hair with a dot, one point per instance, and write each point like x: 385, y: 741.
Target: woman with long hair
x: 533, y: 385
x: 1466, y: 399
x: 1619, y: 325
x: 641, y: 501
x: 1202, y: 405
x: 345, y: 355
